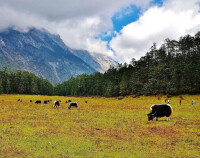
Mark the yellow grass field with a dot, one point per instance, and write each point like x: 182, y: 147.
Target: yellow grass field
x: 102, y: 128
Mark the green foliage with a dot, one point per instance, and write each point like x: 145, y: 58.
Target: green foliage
x: 1, y: 89
x: 18, y: 82
x: 174, y: 68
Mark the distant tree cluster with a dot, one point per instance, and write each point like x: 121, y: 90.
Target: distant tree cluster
x: 18, y: 82
x: 174, y: 69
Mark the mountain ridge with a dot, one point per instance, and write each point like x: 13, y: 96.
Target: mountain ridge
x: 45, y: 54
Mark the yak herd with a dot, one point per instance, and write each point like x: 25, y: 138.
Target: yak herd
x: 156, y: 110
x: 56, y: 103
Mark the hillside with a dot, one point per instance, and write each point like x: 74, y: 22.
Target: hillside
x: 46, y: 55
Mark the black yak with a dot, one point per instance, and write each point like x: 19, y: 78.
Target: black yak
x: 38, y: 102
x: 75, y: 104
x: 56, y: 103
x: 45, y: 101
x: 160, y: 110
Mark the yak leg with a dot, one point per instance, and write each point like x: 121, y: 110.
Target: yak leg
x: 168, y: 118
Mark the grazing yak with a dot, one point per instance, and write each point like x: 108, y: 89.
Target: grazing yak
x: 75, y: 104
x: 160, y: 110
x: 19, y: 100
x: 56, y: 103
x: 38, y: 102
x: 45, y: 101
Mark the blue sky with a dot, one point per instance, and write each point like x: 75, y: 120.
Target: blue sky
x: 157, y: 2
x: 124, y: 17
x: 120, y: 19
x: 129, y: 14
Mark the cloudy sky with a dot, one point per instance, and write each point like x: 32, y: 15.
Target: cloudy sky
x: 122, y: 29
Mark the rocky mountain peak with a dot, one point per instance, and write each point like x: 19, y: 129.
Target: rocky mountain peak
x: 45, y: 54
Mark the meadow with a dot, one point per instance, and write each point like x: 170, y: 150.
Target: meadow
x: 101, y: 128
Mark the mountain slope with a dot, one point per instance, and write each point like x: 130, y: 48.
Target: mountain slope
x: 43, y: 54
x: 99, y: 62
x: 104, y: 61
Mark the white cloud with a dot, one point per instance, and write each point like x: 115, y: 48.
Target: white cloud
x: 174, y: 19
x: 77, y: 21
x: 80, y: 34
x: 66, y: 9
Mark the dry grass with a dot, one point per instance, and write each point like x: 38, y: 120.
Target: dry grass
x: 104, y: 127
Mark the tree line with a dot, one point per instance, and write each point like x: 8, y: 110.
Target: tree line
x: 23, y: 82
x: 173, y: 68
